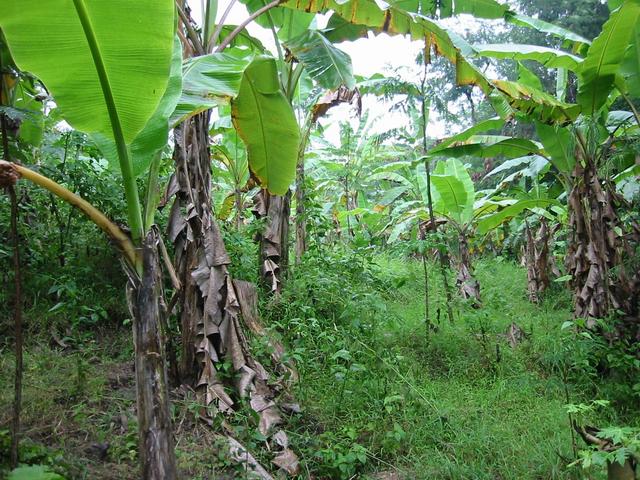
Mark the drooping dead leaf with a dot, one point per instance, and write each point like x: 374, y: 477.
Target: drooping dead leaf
x: 273, y: 240
x: 241, y: 455
x: 288, y: 461
x: 595, y: 255
x: 335, y: 97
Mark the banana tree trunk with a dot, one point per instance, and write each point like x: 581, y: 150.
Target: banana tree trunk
x: 213, y: 308
x: 207, y: 306
x: 156, y: 446
x: 592, y: 244
x: 537, y: 261
x: 274, y: 240
x: 301, y: 221
x: 467, y: 283
x: 601, y: 255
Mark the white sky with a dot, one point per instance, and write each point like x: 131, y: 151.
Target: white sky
x: 375, y: 54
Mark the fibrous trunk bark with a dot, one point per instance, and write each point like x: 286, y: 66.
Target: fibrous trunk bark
x: 214, y: 309
x: 274, y: 240
x: 156, y: 446
x: 301, y: 221
x: 601, y: 255
x: 592, y: 246
x: 467, y: 283
x: 537, y: 260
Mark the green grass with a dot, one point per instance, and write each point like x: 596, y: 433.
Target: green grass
x: 442, y: 406
x: 381, y: 398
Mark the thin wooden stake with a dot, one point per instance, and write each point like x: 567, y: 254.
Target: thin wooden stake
x: 17, y: 312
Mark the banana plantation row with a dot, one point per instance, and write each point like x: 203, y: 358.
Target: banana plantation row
x: 157, y: 92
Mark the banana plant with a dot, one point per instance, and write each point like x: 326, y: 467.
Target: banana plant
x: 345, y: 170
x: 231, y: 174
x: 101, y: 88
x: 607, y: 70
x: 226, y: 68
x: 311, y: 56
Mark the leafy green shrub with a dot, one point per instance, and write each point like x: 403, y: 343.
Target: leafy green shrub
x: 33, y: 472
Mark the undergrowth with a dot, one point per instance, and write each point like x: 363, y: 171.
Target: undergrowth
x: 382, y: 397
x: 383, y: 394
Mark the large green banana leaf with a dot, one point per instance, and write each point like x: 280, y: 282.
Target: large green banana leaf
x: 209, y: 81
x: 493, y: 220
x: 453, y: 194
x: 294, y: 23
x: 390, y: 196
x: 391, y: 177
x: 153, y: 137
x: 531, y: 166
x: 579, y: 43
x: 602, y: 63
x: 532, y: 101
x: 489, y: 9
x: 339, y: 30
x: 454, y: 167
x: 559, y: 144
x: 242, y: 39
x: 328, y: 65
x: 548, y: 57
x: 266, y: 123
x: 134, y: 42
x: 490, y: 146
x: 480, y: 127
x: 527, y: 78
x: 106, y: 64
x: 455, y: 190
x: 394, y: 20
x: 630, y: 67
x: 261, y: 115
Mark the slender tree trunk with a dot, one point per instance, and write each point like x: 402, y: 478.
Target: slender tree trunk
x: 530, y: 263
x: 537, y: 260
x: 156, y: 446
x: 17, y: 318
x: 425, y: 272
x: 433, y: 226
x: 9, y: 181
x: 238, y: 204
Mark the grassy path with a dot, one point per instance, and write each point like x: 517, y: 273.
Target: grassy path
x: 461, y: 404
x: 380, y: 400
